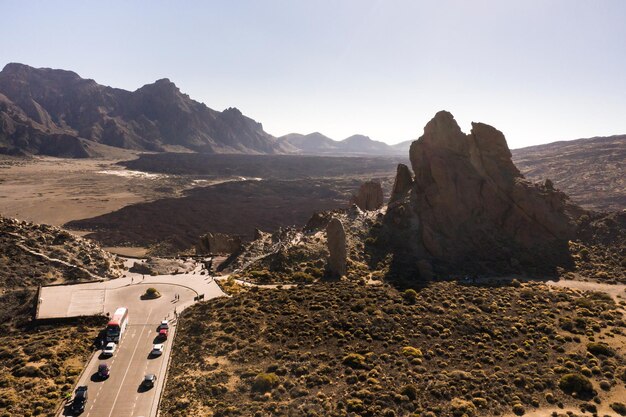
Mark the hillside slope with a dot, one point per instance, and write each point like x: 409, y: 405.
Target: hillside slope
x: 591, y: 171
x: 51, y: 112
x: 41, y: 363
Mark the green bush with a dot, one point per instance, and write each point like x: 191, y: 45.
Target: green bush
x: 151, y: 291
x: 354, y: 404
x: 462, y: 407
x: 354, y: 360
x: 410, y: 295
x: 518, y: 409
x: 575, y: 383
x: 411, y: 352
x: 619, y: 408
x: 600, y: 349
x: 303, y: 277
x: 410, y: 391
x: 265, y: 382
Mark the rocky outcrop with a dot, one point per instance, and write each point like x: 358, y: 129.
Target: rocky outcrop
x: 337, y: 248
x: 369, y: 197
x: 218, y: 243
x: 56, y: 112
x: 402, y: 184
x: 474, y: 207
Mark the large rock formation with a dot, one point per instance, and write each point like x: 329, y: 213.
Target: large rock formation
x: 369, y: 197
x: 402, y: 184
x: 474, y: 207
x: 58, y: 113
x: 218, y: 243
x: 337, y: 247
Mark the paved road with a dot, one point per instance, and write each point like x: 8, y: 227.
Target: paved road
x: 120, y: 395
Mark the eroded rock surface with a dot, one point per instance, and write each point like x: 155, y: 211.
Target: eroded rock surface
x: 474, y: 205
x: 402, y: 184
x: 336, y: 237
x: 369, y: 197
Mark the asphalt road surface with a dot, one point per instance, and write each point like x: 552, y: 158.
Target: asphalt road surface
x: 121, y: 395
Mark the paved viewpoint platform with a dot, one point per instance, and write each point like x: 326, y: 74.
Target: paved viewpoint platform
x: 93, y: 298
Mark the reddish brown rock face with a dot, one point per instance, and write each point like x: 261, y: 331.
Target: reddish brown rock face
x: 369, y: 197
x: 472, y: 202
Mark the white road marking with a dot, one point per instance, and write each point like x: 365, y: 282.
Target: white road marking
x: 126, y: 373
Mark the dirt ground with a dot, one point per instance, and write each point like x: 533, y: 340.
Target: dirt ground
x: 55, y: 191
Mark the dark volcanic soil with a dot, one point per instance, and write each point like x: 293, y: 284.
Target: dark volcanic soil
x: 232, y: 207
x: 264, y: 166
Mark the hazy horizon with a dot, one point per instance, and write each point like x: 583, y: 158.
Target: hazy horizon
x: 539, y: 72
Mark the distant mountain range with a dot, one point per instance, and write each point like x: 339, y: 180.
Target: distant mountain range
x: 318, y: 144
x: 56, y: 112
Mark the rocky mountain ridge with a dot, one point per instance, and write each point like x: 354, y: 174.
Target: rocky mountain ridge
x: 56, y: 112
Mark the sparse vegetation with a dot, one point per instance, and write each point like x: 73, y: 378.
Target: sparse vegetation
x: 345, y: 347
x: 40, y: 364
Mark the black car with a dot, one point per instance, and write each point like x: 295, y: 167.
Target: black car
x: 149, y: 380
x: 80, y: 399
x: 104, y: 370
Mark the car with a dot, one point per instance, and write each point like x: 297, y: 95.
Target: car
x: 80, y: 399
x: 164, y: 325
x: 157, y: 350
x: 149, y: 380
x: 104, y: 370
x: 109, y: 349
x: 163, y: 334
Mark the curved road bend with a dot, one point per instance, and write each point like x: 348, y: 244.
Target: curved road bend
x: 120, y: 395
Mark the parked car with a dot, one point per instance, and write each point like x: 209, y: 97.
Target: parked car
x: 157, y: 350
x: 163, y: 334
x: 109, y: 349
x: 80, y: 399
x: 104, y: 370
x: 164, y: 325
x: 149, y: 380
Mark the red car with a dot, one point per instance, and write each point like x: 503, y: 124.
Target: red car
x: 163, y: 334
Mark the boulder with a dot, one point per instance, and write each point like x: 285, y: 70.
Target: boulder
x: 369, y: 197
x: 218, y: 243
x: 337, y: 247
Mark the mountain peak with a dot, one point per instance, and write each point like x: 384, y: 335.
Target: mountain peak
x: 163, y: 84
x: 17, y: 69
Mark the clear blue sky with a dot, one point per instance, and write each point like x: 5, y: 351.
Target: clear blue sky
x: 539, y: 70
